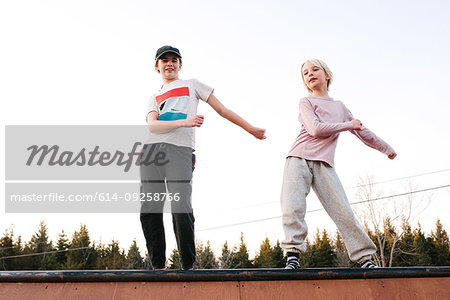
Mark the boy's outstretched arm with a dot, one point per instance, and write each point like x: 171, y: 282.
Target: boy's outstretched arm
x: 235, y: 118
x: 157, y: 126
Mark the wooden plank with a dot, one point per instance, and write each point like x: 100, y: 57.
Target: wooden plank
x: 326, y: 284
x: 228, y: 290
x: 347, y: 289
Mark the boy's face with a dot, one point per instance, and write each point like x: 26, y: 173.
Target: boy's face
x: 168, y: 66
x: 314, y: 77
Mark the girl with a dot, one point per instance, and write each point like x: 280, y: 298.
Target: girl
x: 310, y: 163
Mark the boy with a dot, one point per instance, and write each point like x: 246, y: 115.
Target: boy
x: 172, y: 117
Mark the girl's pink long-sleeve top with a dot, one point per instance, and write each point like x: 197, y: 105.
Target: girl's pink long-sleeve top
x: 322, y: 119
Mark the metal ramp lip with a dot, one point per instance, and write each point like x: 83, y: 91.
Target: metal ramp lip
x: 221, y: 274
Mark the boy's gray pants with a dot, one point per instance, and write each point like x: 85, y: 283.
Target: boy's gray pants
x: 299, y: 176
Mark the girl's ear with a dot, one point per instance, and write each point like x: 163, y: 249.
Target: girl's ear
x: 156, y: 67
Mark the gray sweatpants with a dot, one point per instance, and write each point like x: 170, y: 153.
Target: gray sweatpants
x: 299, y: 176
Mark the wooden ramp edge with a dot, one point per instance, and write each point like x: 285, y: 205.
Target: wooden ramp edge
x: 326, y: 283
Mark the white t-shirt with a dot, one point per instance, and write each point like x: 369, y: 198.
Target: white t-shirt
x: 176, y: 101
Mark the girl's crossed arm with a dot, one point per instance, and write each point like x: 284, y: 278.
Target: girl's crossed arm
x: 316, y: 127
x: 371, y: 139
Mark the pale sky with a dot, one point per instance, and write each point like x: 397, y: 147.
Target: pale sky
x: 91, y: 62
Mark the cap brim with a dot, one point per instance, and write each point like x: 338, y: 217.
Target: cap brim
x: 168, y: 51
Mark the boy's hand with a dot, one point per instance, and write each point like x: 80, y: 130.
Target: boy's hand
x: 392, y: 155
x: 258, y: 133
x: 356, y: 124
x: 195, y: 121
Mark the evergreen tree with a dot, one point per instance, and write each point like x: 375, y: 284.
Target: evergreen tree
x: 100, y: 262
x: 134, y: 258
x: 411, y: 248
x: 82, y: 255
x: 381, y: 238
x: 269, y: 257
x: 278, y: 258
x: 18, y: 261
x: 115, y: 258
x: 378, y: 256
x: 174, y: 260
x: 392, y: 239
x: 8, y: 248
x: 205, y: 257
x: 228, y: 259
x: 440, y: 251
x: 322, y: 251
x: 342, y: 259
x: 422, y: 247
x: 147, y: 262
x: 40, y: 244
x: 406, y: 255
x: 62, y: 245
x: 264, y: 258
x: 305, y: 258
x: 241, y: 257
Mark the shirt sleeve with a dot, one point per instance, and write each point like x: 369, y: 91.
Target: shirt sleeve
x: 369, y: 138
x: 314, y: 126
x: 151, y: 106
x: 202, y: 91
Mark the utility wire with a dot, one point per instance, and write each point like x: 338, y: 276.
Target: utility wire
x: 349, y: 188
x: 319, y: 209
x: 26, y: 244
x: 400, y: 178
x: 277, y: 217
x: 42, y: 253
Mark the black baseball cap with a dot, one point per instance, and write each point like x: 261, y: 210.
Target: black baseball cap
x: 167, y: 49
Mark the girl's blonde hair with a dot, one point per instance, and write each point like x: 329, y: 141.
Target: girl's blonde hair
x: 323, y: 66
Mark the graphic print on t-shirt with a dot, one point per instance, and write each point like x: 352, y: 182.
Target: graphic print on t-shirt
x: 173, y: 104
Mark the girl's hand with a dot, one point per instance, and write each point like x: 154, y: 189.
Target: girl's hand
x: 258, y: 133
x: 356, y: 124
x: 392, y: 155
x: 195, y: 121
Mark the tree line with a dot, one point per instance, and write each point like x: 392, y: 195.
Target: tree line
x: 404, y: 246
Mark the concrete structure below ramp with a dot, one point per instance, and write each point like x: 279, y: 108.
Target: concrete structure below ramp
x: 331, y: 283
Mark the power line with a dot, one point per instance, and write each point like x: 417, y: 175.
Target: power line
x: 277, y: 217
x: 400, y: 178
x: 353, y: 187
x: 26, y: 244
x: 41, y: 253
x: 319, y: 209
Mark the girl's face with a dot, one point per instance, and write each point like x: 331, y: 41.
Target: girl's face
x: 169, y: 66
x: 314, y: 77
